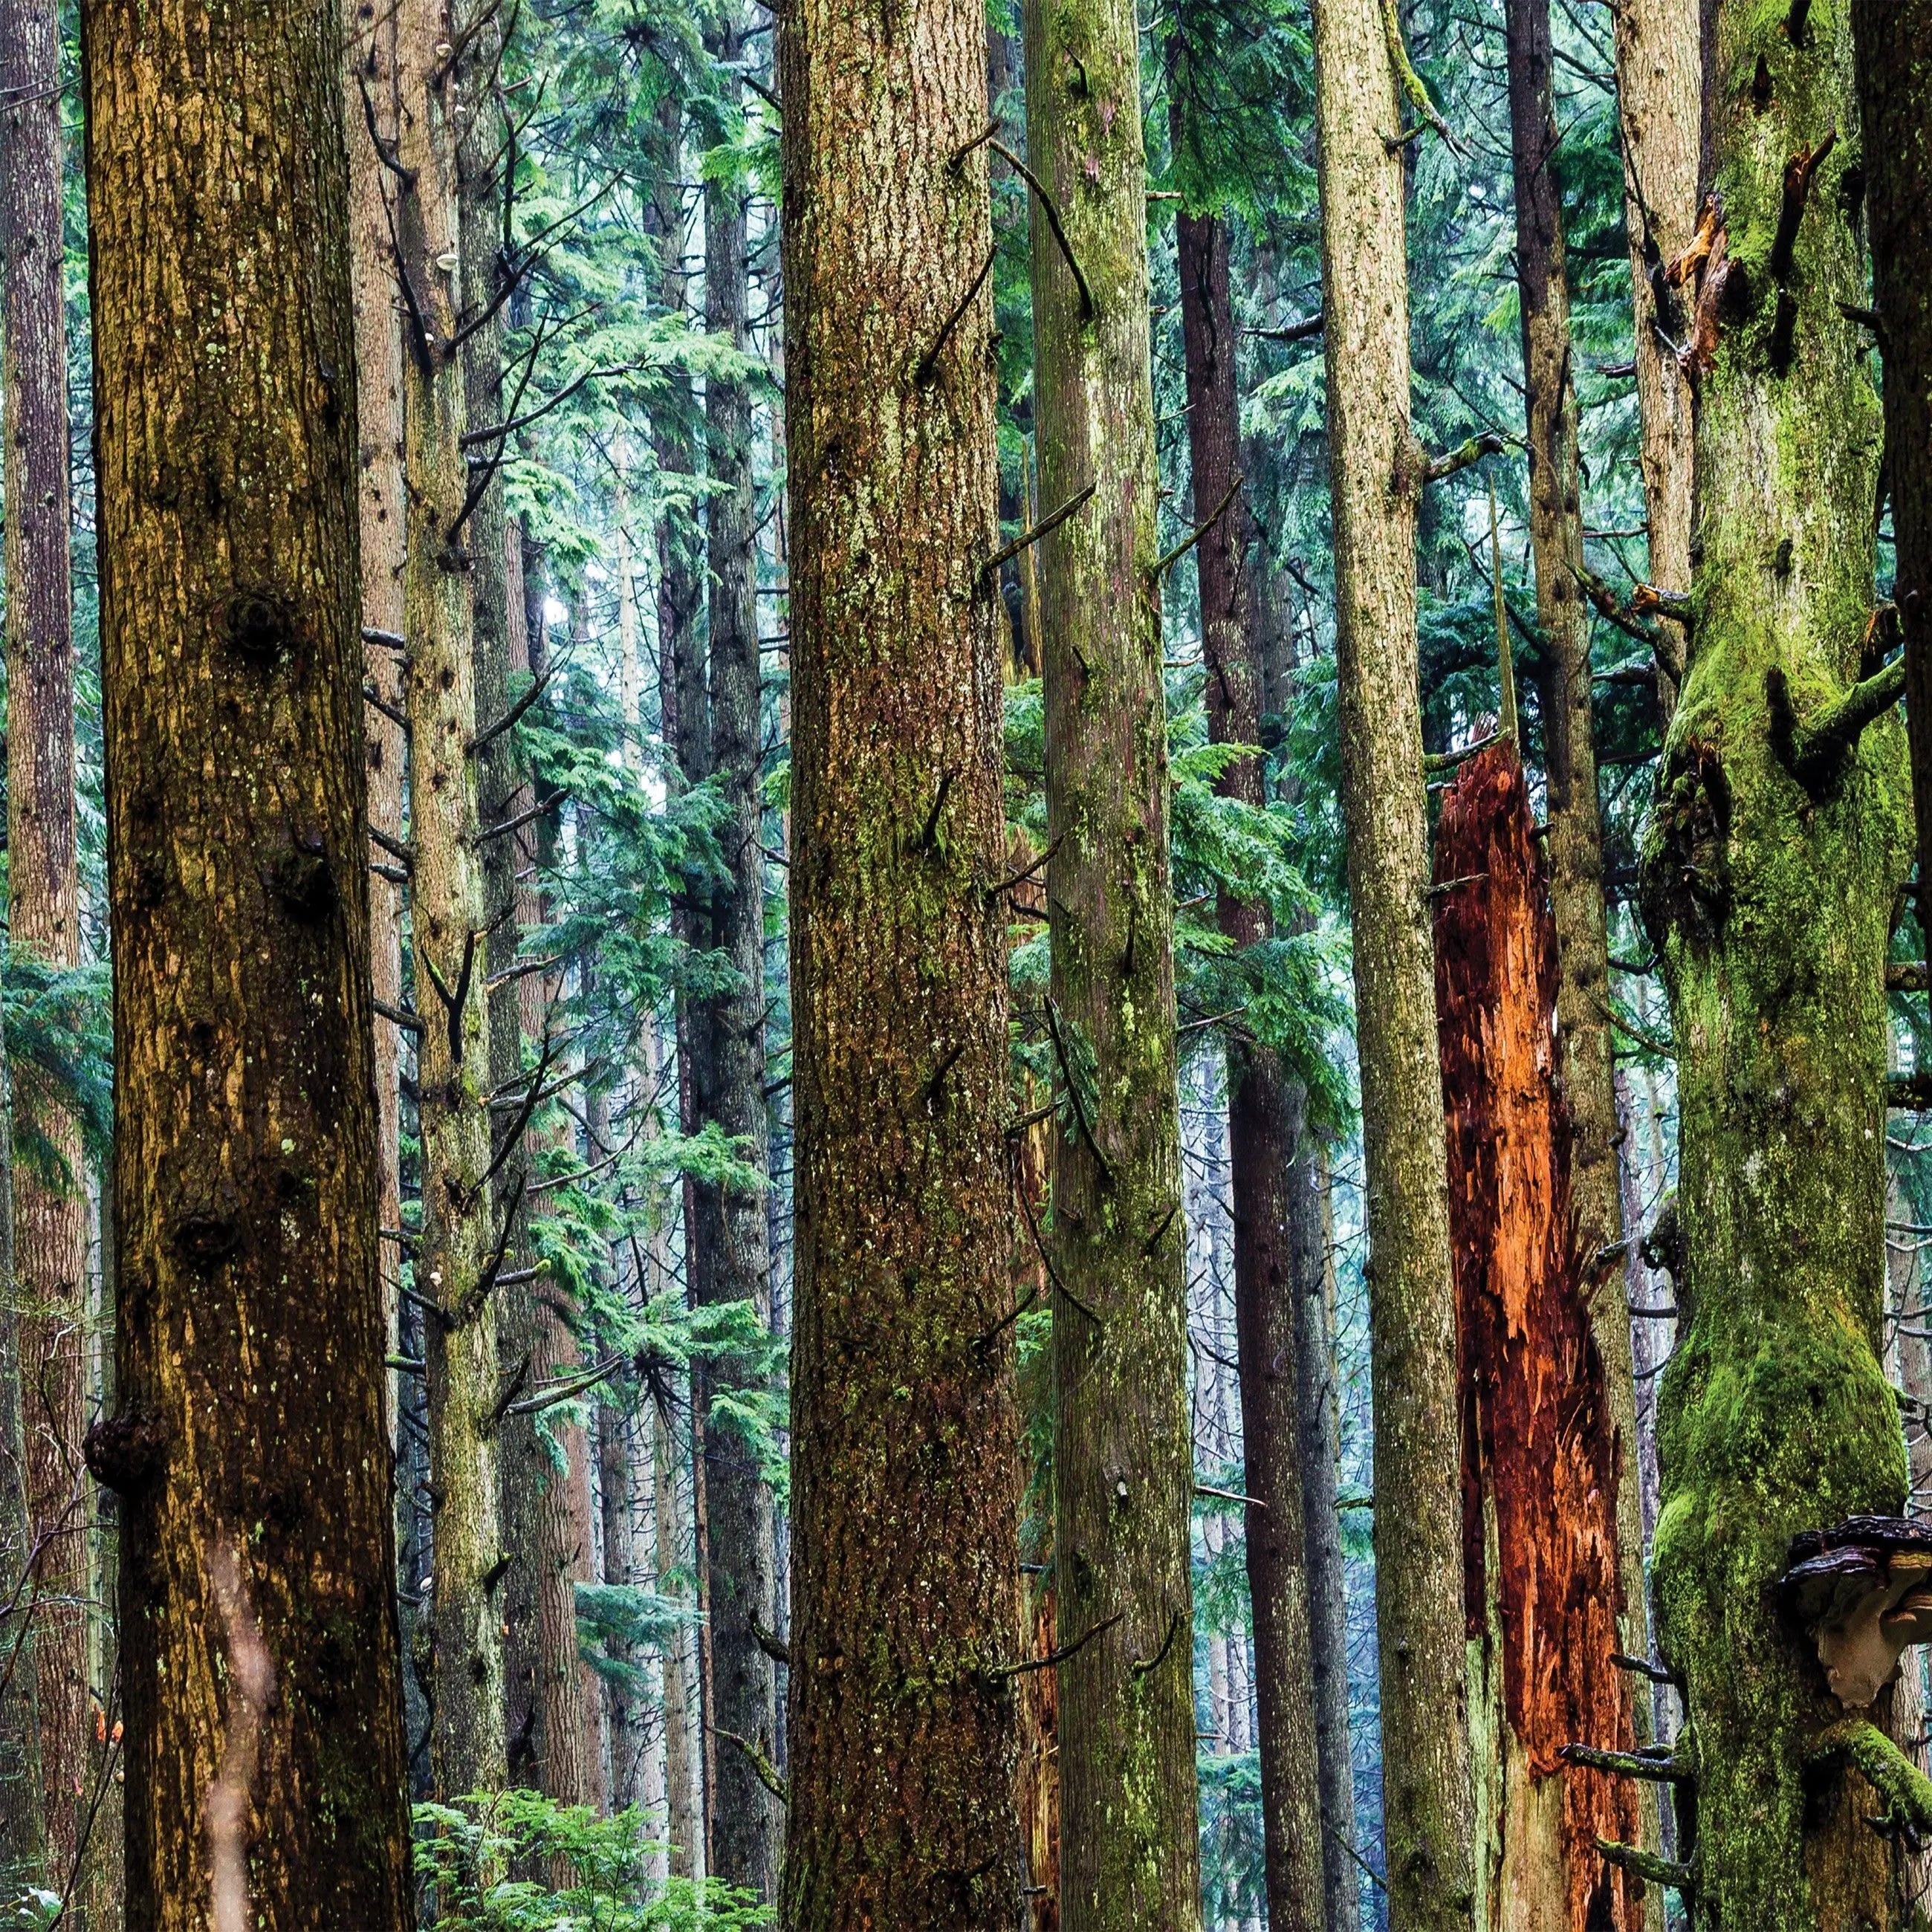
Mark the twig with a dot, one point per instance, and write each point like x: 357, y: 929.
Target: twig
x: 1000, y: 1673
x: 929, y: 360
x: 1194, y: 536
x: 491, y: 733
x: 1032, y: 180
x: 1043, y: 527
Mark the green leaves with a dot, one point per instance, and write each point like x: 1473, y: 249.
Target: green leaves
x: 57, y: 1025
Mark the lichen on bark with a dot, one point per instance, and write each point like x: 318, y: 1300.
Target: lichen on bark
x: 1769, y: 894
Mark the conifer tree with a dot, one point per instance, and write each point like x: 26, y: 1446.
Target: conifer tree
x: 905, y: 1491
x: 1123, y: 1440
x: 263, y: 1746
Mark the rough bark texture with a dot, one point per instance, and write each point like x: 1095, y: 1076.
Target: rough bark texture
x: 1768, y: 880
x: 684, y: 1822
x: 627, y: 1710
x: 370, y: 66
x: 1543, y: 1583
x: 1894, y: 60
x: 747, y: 1824
x: 905, y: 1489
x: 1587, y: 1070
x: 1659, y: 58
x: 258, y: 1626
x: 1264, y: 1109
x: 457, y: 1253
x: 1412, y: 1297
x: 43, y: 886
x: 1123, y: 1449
x: 1319, y: 1450
x: 23, y: 1815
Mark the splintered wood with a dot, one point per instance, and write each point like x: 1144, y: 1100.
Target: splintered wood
x: 1539, y: 1450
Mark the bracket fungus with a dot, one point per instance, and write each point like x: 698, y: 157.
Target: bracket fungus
x: 1862, y: 1592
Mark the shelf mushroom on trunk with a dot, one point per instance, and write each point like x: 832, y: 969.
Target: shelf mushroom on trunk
x: 1862, y: 1591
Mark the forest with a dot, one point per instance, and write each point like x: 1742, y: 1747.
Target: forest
x: 963, y: 967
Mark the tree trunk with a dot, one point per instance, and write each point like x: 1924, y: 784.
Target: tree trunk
x: 620, y: 1570
x: 1543, y: 1582
x: 905, y: 1490
x: 1769, y: 872
x: 748, y: 1822
x: 1318, y: 1451
x: 1575, y: 847
x: 44, y: 887
x: 264, y: 1751
x: 459, y: 1254
x: 684, y: 1823
x: 1375, y: 466
x: 1894, y: 58
x: 1659, y: 59
x: 1264, y: 1109
x: 370, y: 67
x: 1123, y: 1467
x: 23, y: 1811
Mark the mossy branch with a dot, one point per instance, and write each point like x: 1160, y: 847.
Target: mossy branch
x: 1465, y: 453
x: 767, y: 1772
x: 1648, y: 1866
x: 1410, y: 83
x: 1628, y: 1764
x: 1858, y: 1744
x: 1816, y: 755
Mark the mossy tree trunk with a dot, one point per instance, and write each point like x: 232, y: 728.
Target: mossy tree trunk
x: 748, y: 1826
x: 1123, y: 1445
x: 1375, y: 469
x: 43, y: 889
x: 459, y: 1254
x: 905, y: 1491
x: 1769, y: 874
x: 1265, y: 1113
x: 264, y: 1747
x: 1895, y: 61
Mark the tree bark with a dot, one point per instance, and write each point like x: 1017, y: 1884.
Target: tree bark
x: 685, y: 1821
x: 263, y: 1748
x: 1123, y: 1447
x: 1894, y: 64
x: 904, y: 1492
x: 1768, y: 876
x: 1659, y: 62
x: 1374, y: 465
x: 1264, y: 1109
x: 1541, y: 1456
x: 23, y: 1813
x: 370, y: 68
x: 748, y: 1823
x: 44, y: 887
x: 458, y: 1255
x: 1587, y: 1066
x: 1318, y: 1452
x: 620, y: 1569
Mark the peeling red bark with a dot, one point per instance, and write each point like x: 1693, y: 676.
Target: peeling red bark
x: 1539, y: 1448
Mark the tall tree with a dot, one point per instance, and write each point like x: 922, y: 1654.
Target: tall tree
x: 747, y: 1829
x: 1377, y: 472
x: 1574, y: 815
x: 264, y: 1748
x: 460, y: 1250
x: 1660, y: 46
x: 1895, y: 60
x: 370, y: 73
x: 43, y: 886
x: 1265, y: 1113
x: 1123, y: 1440
x: 1780, y: 833
x: 904, y: 1491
